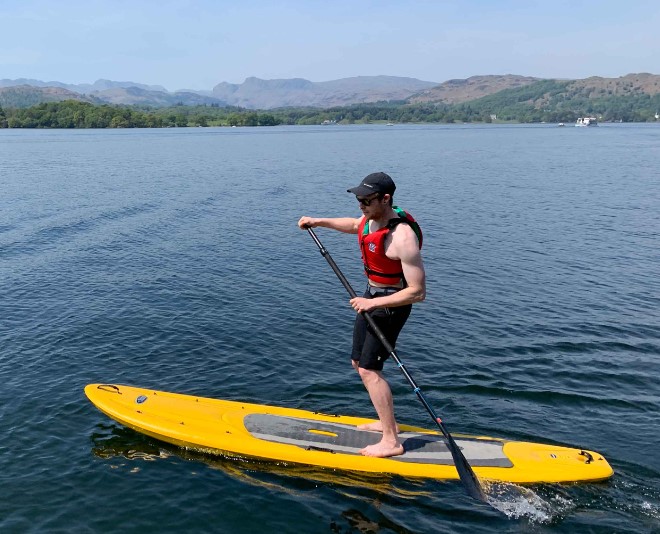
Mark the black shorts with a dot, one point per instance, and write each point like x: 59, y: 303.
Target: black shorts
x: 368, y: 351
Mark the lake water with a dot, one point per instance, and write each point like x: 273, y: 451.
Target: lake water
x: 171, y: 259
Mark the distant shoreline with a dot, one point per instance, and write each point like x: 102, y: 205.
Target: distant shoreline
x: 71, y: 114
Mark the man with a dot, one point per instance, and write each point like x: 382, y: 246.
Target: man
x: 390, y: 242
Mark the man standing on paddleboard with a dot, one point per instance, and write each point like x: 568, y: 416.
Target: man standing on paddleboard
x: 390, y: 241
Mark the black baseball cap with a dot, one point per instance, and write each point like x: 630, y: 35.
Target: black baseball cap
x: 377, y: 182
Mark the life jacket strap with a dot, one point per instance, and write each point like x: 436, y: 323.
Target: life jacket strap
x: 384, y: 275
x: 403, y: 218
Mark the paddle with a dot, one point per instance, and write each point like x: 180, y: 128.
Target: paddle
x: 465, y: 472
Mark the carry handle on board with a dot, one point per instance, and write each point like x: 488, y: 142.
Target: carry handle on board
x: 465, y: 472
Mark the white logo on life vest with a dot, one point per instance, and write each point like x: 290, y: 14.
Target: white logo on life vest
x: 372, y: 247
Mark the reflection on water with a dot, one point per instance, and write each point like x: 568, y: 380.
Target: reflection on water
x: 537, y: 504
x: 111, y: 441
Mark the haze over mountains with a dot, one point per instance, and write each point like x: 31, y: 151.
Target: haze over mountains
x: 83, y: 88
x: 255, y: 93
x: 297, y: 92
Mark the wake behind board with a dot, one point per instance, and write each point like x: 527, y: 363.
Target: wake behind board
x: 333, y: 441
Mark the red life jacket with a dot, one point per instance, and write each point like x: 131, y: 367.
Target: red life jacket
x: 378, y: 267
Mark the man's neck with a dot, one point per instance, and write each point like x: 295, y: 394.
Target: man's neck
x: 383, y: 219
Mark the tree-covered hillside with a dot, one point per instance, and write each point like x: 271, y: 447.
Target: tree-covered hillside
x: 22, y: 96
x: 556, y: 101
x: 508, y: 98
x: 543, y: 101
x: 74, y: 114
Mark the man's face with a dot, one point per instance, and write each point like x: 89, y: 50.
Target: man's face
x: 373, y: 205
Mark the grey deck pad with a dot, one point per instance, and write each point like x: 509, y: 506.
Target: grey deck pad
x: 347, y: 439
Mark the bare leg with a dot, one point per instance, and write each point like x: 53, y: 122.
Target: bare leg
x: 381, y: 398
x: 376, y: 426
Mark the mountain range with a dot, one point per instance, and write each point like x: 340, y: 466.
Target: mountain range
x: 268, y: 94
x: 255, y: 93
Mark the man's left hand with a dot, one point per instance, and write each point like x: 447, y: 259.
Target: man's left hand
x: 360, y: 304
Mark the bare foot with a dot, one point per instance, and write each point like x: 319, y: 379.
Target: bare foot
x: 381, y: 450
x: 376, y: 426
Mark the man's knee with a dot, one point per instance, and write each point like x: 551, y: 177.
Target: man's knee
x: 369, y: 376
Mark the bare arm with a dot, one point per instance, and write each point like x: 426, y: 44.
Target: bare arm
x: 347, y: 225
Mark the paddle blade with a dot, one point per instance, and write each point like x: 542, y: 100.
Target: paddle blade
x: 465, y: 472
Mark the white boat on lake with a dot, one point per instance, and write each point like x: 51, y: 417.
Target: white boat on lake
x: 587, y: 121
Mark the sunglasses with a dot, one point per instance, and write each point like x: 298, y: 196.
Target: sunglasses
x: 367, y: 201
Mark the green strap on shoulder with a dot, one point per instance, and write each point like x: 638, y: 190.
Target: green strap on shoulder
x: 365, y: 231
x: 413, y: 224
x: 402, y: 215
x: 399, y: 212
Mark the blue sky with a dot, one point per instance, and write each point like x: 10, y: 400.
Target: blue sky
x: 196, y: 44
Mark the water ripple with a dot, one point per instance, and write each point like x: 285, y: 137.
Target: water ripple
x: 172, y: 260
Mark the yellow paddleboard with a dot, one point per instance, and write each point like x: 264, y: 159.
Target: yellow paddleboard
x: 333, y: 441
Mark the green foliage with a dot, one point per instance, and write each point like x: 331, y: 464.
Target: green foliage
x: 19, y: 97
x: 543, y: 101
x: 74, y: 114
x: 554, y: 101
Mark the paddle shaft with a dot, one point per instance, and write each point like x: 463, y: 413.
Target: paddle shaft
x: 465, y: 472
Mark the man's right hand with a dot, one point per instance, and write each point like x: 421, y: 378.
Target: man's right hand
x: 306, y: 222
